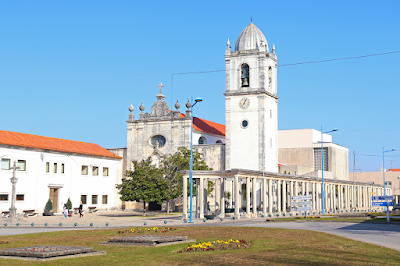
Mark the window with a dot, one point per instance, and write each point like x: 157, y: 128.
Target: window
x: 84, y: 170
x: 95, y: 170
x: 84, y: 199
x: 22, y: 165
x: 270, y: 113
x: 5, y: 164
x: 202, y: 140
x: 245, y: 124
x: 158, y: 141
x: 47, y: 167
x: 317, y: 159
x: 94, y: 199
x: 104, y: 199
x: 62, y: 168
x: 245, y: 76
x: 388, y: 183
x: 3, y: 197
x: 20, y: 197
x: 219, y: 141
x: 55, y: 168
x: 270, y: 78
x: 105, y: 171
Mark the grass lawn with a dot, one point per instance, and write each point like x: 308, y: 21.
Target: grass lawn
x: 269, y: 246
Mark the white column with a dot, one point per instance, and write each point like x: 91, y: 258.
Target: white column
x: 317, y: 200
x: 270, y: 196
x: 201, y: 198
x: 217, y: 197
x: 279, y: 199
x: 222, y: 194
x: 313, y: 196
x: 254, y: 197
x: 291, y: 195
x: 303, y: 188
x: 248, y: 200
x: 185, y: 201
x: 237, y: 197
x: 284, y: 196
x: 264, y: 196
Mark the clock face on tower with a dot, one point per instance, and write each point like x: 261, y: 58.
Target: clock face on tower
x: 244, y: 103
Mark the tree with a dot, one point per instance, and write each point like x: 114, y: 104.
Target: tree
x: 69, y: 204
x: 49, y: 206
x: 145, y: 183
x: 176, y: 162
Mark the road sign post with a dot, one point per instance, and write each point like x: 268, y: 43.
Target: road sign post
x: 302, y: 203
x: 383, y: 201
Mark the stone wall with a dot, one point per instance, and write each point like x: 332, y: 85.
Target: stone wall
x: 213, y: 155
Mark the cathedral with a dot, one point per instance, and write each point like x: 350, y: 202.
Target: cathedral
x: 251, y: 113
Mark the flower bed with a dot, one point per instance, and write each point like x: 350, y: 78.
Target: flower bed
x: 145, y: 230
x: 308, y: 217
x: 3, y: 242
x: 217, y: 245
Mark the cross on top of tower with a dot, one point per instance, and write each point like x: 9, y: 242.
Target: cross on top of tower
x: 160, y: 86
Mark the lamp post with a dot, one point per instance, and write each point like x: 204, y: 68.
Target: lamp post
x: 191, y: 159
x: 383, y: 169
x: 322, y: 166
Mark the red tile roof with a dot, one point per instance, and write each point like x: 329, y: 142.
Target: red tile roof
x: 393, y: 170
x: 53, y: 144
x: 207, y: 126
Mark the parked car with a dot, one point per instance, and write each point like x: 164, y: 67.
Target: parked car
x: 396, y: 207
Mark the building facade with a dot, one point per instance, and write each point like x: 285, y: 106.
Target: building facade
x: 57, y: 169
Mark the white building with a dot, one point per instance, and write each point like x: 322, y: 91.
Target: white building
x: 57, y: 169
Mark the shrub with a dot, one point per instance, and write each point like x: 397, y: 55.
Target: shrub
x: 49, y: 206
x: 69, y: 204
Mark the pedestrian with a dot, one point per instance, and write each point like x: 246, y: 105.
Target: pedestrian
x: 80, y: 209
x: 65, y: 211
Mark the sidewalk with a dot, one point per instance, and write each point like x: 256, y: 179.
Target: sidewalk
x: 105, y: 219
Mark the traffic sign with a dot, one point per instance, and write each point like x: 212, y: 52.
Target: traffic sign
x: 300, y: 209
x: 382, y: 197
x: 301, y: 203
x: 382, y: 203
x: 301, y: 197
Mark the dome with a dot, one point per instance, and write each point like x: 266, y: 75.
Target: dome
x: 250, y: 38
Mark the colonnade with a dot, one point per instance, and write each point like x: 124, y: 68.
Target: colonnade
x: 251, y: 195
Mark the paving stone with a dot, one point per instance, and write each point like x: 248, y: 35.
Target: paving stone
x: 44, y: 251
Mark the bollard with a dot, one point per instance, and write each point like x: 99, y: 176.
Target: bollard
x: 106, y: 224
x: 75, y: 224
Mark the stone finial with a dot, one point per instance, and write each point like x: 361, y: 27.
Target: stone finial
x: 131, y: 109
x: 177, y: 105
x: 228, y: 44
x: 273, y: 48
x: 141, y: 108
x: 188, y: 104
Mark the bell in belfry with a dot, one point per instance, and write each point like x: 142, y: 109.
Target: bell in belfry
x: 245, y: 82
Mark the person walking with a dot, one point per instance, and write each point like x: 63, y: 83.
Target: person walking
x: 80, y: 209
x: 65, y: 211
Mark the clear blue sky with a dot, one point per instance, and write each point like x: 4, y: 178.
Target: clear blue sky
x: 69, y: 69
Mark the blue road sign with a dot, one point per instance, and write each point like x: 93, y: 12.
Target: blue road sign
x: 382, y: 197
x: 382, y: 203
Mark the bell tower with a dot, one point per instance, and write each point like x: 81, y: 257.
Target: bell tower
x: 251, y: 103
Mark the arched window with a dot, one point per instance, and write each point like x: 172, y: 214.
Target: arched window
x: 245, y: 76
x: 270, y: 78
x: 219, y: 141
x: 202, y: 140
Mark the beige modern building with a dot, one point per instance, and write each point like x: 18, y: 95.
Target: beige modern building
x: 392, y: 180
x: 299, y: 153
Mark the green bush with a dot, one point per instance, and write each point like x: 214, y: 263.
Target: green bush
x: 49, y: 206
x: 69, y: 204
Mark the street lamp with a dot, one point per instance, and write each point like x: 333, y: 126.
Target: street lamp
x: 384, y: 183
x: 322, y: 166
x: 197, y: 100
